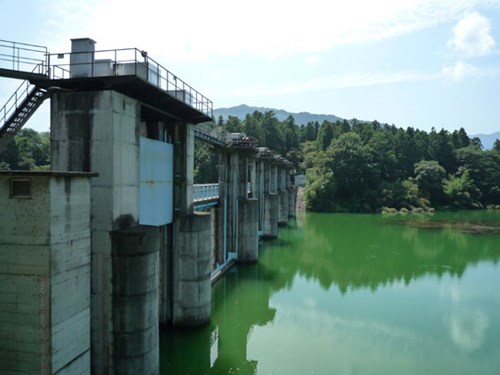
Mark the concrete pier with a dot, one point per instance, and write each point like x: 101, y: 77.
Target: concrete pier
x: 292, y: 199
x: 283, y: 207
x: 192, y: 287
x: 248, y: 249
x: 238, y: 216
x: 99, y: 131
x: 271, y: 209
x: 135, y: 300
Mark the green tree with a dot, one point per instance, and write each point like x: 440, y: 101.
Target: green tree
x: 429, y: 176
x: 461, y: 190
x: 325, y: 135
x: 356, y: 176
x: 496, y: 145
x: 29, y: 150
x: 205, y: 163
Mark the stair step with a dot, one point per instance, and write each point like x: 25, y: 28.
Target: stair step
x: 34, y: 98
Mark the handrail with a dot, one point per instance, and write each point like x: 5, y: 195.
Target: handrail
x: 204, y: 192
x: 20, y: 55
x: 115, y: 62
x: 15, y: 100
x: 123, y: 62
x: 214, y: 135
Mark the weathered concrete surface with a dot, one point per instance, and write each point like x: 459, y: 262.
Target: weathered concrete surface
x: 271, y: 208
x: 283, y: 207
x: 99, y: 131
x: 136, y: 300
x: 292, y: 198
x: 192, y: 288
x: 248, y: 249
x: 184, y: 167
x: 45, y: 277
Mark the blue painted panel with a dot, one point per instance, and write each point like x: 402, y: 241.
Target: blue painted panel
x: 157, y: 176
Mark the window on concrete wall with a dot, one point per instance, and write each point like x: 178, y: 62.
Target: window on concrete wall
x: 20, y: 188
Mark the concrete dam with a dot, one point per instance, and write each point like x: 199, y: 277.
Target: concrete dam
x: 117, y: 239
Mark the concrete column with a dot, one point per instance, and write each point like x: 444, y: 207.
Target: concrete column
x: 166, y: 277
x: 283, y: 196
x: 221, y: 211
x: 227, y: 216
x: 292, y: 197
x: 136, y: 300
x: 261, y: 193
x: 271, y: 215
x: 283, y: 207
x: 184, y: 167
x: 253, y: 179
x: 234, y: 188
x: 248, y: 249
x: 99, y: 131
x: 192, y: 288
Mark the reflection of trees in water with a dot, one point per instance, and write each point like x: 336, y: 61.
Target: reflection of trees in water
x: 240, y: 301
x: 364, y: 251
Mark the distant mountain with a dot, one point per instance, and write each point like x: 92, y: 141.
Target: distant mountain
x: 487, y: 139
x: 301, y: 118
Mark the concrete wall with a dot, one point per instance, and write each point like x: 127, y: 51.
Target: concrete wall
x: 99, y: 132
x: 45, y: 277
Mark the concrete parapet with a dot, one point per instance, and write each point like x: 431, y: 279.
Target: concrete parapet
x: 271, y: 207
x: 248, y: 247
x: 192, y: 287
x: 136, y: 300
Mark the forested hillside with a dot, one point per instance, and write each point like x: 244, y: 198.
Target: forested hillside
x: 350, y: 166
x: 362, y: 167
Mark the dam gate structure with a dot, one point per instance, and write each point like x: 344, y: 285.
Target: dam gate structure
x: 116, y: 239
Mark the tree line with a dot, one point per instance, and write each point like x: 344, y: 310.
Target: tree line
x: 364, y: 166
x: 350, y: 165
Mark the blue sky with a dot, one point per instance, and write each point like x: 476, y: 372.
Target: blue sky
x: 417, y: 63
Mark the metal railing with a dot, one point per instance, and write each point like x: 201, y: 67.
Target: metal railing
x: 23, y: 57
x: 19, y: 96
x: 127, y: 62
x: 210, y: 134
x: 205, y: 192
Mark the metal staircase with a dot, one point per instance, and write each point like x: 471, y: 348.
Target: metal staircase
x: 27, y: 62
x: 18, y: 109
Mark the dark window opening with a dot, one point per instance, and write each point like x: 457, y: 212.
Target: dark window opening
x: 20, y: 188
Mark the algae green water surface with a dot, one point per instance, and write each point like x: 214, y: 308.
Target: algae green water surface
x: 354, y: 294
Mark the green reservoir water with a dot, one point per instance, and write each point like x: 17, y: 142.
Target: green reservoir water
x: 355, y: 294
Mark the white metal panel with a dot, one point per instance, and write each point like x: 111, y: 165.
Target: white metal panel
x: 157, y: 175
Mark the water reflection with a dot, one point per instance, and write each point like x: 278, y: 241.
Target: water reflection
x: 271, y: 316
x: 358, y: 251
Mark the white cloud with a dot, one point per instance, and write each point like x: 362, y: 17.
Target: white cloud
x: 472, y: 36
x: 468, y: 329
x: 328, y: 82
x: 198, y: 29
x: 311, y: 60
x: 459, y: 71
